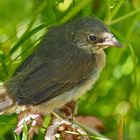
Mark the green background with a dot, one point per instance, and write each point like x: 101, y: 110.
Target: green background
x: 115, y: 97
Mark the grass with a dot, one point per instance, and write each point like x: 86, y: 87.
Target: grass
x: 114, y: 99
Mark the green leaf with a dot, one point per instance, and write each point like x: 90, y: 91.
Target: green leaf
x: 112, y: 3
x: 26, y: 37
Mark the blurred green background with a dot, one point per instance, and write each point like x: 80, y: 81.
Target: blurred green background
x: 115, y: 97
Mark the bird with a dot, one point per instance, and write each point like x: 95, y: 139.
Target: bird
x: 66, y: 64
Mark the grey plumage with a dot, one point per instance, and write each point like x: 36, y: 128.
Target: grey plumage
x: 54, y: 68
x: 64, y: 60
x: 5, y: 101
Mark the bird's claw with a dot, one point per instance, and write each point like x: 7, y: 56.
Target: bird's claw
x: 59, y: 128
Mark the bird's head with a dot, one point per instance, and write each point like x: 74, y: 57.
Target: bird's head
x: 92, y: 34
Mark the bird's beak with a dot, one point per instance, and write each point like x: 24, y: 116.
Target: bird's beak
x: 111, y: 41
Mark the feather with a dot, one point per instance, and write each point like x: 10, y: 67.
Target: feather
x: 5, y: 100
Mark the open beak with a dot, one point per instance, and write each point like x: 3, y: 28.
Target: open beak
x: 111, y: 41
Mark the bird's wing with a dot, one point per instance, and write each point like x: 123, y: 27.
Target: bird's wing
x: 53, y: 71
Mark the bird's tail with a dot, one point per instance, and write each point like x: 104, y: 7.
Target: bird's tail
x: 5, y: 100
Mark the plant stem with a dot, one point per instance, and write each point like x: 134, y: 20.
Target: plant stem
x: 113, y: 12
x: 134, y: 62
x: 116, y: 9
x: 91, y: 131
x: 125, y: 16
x: 74, y: 11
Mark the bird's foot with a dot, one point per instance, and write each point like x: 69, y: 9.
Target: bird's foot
x: 68, y: 110
x: 52, y: 132
x: 32, y: 120
x: 60, y: 128
x: 64, y: 128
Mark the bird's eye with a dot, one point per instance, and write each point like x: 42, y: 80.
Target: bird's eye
x: 92, y: 37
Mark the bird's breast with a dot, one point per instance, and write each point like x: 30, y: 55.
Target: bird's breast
x: 77, y: 91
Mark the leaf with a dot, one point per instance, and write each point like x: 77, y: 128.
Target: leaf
x: 25, y: 132
x: 26, y: 37
x: 112, y: 3
x: 3, y: 62
x: 91, y: 122
x: 59, y: 1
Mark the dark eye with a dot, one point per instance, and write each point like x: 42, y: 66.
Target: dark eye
x: 92, y: 37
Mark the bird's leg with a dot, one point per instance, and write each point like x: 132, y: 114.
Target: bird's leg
x: 56, y: 125
x: 65, y: 128
x: 69, y: 110
x: 32, y: 120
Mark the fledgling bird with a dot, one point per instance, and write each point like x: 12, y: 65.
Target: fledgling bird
x: 66, y: 65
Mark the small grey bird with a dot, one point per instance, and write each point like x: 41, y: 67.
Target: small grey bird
x: 66, y: 65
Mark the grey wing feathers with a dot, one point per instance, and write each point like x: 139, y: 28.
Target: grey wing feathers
x: 52, y: 71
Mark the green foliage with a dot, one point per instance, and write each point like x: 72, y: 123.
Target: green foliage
x: 114, y: 99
